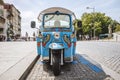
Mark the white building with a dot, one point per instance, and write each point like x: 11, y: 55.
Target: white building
x: 10, y: 22
x: 2, y: 24
x: 116, y: 36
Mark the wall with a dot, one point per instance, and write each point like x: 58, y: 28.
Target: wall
x: 116, y: 36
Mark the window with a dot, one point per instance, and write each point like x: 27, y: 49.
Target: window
x: 1, y: 12
x: 56, y: 21
x: 1, y: 30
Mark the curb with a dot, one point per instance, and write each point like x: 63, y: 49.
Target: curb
x: 28, y: 70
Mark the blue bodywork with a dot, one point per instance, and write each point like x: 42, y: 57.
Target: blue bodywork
x: 48, y: 41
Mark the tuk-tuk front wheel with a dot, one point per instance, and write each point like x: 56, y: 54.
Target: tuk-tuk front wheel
x: 56, y: 64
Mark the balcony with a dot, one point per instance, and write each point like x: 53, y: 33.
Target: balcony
x: 18, y: 34
x: 19, y: 20
x: 2, y: 25
x: 11, y: 26
x: 9, y: 14
x: 8, y: 7
x: 19, y: 29
x: 19, y: 23
x: 1, y: 30
x: 2, y: 20
x: 19, y: 17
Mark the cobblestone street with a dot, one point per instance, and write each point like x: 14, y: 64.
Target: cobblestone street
x: 105, y: 53
x: 79, y: 70
x: 113, y: 63
x: 94, y: 61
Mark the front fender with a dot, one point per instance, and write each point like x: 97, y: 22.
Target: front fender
x: 56, y: 46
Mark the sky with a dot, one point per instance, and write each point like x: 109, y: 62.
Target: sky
x: 30, y: 9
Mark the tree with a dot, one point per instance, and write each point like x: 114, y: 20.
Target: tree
x: 117, y: 27
x: 95, y: 21
x: 87, y: 22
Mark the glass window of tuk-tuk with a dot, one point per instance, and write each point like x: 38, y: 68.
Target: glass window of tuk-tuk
x: 56, y: 20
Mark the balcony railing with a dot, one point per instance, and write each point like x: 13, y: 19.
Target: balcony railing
x: 10, y: 15
x: 2, y: 19
x: 2, y: 25
x: 19, y: 29
x: 1, y: 30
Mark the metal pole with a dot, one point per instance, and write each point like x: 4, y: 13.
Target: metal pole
x: 93, y: 20
x: 51, y: 58
x: 62, y: 57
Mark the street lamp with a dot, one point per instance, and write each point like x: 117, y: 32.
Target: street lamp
x: 93, y: 17
x: 91, y: 8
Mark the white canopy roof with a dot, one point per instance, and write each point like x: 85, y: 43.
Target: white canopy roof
x: 54, y: 9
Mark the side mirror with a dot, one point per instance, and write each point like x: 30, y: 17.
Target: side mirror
x: 33, y: 24
x: 79, y: 24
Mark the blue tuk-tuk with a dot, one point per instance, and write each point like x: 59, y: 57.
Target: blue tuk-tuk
x: 56, y: 40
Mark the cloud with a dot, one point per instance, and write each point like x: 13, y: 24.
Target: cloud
x: 27, y: 14
x: 9, y: 1
x: 30, y: 8
x: 27, y: 17
x: 26, y: 28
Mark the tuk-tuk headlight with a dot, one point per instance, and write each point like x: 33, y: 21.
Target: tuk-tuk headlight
x: 56, y: 35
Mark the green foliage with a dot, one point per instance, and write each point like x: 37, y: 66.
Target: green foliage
x: 95, y: 21
x: 117, y: 28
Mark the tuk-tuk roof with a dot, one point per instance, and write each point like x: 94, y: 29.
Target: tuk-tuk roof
x: 54, y: 9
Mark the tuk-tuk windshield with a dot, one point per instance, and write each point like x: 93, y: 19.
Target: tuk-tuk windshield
x: 56, y: 21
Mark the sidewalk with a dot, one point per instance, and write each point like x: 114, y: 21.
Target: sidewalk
x: 15, y: 57
x: 112, y: 40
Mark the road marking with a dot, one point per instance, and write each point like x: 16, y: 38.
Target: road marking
x: 74, y: 62
x: 89, y: 64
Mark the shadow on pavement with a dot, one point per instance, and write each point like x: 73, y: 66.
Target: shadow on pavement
x: 82, y: 68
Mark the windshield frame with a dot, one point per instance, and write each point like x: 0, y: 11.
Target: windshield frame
x: 56, y: 14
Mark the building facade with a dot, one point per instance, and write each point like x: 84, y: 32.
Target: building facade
x: 16, y: 21
x: 2, y: 24
x: 10, y: 22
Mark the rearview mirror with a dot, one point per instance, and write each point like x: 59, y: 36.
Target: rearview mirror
x: 33, y: 24
x: 79, y: 24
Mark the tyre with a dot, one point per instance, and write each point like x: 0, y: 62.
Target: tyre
x: 56, y: 64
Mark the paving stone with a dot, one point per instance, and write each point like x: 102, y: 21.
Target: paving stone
x: 69, y: 71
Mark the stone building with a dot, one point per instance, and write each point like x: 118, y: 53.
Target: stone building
x: 2, y: 24
x: 10, y: 22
